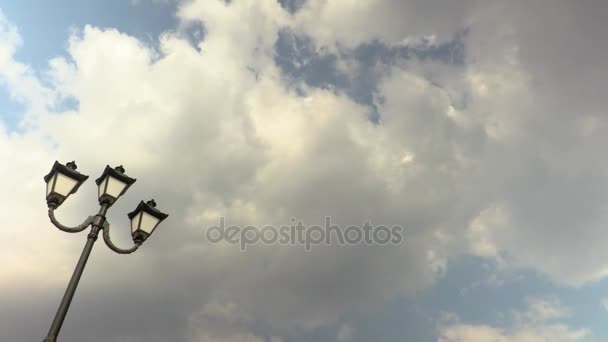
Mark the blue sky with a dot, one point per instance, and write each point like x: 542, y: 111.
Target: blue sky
x: 505, y: 237
x: 45, y: 27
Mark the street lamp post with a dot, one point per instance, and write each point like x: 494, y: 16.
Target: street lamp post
x: 64, y: 180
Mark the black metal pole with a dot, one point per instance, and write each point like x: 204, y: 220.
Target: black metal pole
x: 71, y: 289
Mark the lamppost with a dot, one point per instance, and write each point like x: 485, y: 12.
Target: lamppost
x: 64, y: 180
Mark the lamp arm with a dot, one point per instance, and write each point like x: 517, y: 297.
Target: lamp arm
x: 112, y: 246
x: 76, y: 229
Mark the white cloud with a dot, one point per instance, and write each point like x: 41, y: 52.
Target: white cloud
x: 348, y: 23
x: 18, y: 79
x: 25, y: 161
x: 202, y: 132
x: 513, y: 175
x: 539, y: 323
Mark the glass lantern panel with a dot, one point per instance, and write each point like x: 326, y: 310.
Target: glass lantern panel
x: 64, y: 184
x: 114, y: 187
x: 49, y: 184
x: 102, y: 187
x: 148, y: 222
x: 135, y: 222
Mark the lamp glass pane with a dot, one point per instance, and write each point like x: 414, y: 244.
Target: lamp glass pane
x: 148, y: 222
x: 135, y: 222
x: 102, y: 187
x: 49, y: 184
x: 115, y: 187
x: 64, y: 184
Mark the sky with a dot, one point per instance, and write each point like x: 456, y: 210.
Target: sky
x: 477, y: 126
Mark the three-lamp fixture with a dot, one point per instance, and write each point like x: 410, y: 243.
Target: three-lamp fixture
x: 64, y: 180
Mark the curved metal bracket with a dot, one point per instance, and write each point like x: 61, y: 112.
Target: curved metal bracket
x: 76, y: 229
x: 112, y: 246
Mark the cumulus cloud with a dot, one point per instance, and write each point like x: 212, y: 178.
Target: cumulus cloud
x: 495, y: 157
x: 538, y: 323
x: 215, y: 131
x: 19, y: 80
x: 347, y: 22
x: 549, y: 132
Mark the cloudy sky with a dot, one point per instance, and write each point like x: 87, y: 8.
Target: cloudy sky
x: 478, y: 126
